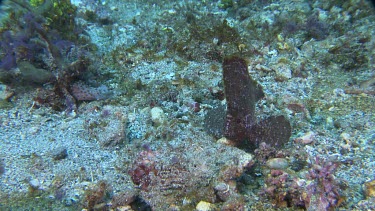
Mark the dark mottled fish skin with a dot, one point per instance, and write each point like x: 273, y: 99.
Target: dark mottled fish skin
x: 274, y: 130
x: 242, y: 93
x: 241, y: 126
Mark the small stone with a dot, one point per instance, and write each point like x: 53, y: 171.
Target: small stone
x: 34, y: 183
x: 345, y: 136
x: 157, y: 116
x: 245, y: 160
x: 113, y: 134
x: 222, y: 191
x: 60, y: 153
x: 33, y: 130
x: 369, y: 188
x: 173, y: 207
x: 29, y: 73
x: 277, y: 163
x: 5, y: 92
x: 330, y: 122
x: 224, y: 141
x: 124, y: 208
x: 125, y: 198
x: 234, y: 203
x: 205, y: 206
x: 307, y: 138
x: 263, y: 68
x: 283, y: 73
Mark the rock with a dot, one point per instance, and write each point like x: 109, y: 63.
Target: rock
x: 246, y: 160
x: 34, y: 183
x: 124, y: 208
x: 224, y: 141
x: 205, y: 206
x: 307, y: 138
x: 369, y: 188
x: 29, y: 73
x: 125, y: 198
x: 345, y: 136
x: 33, y: 130
x: 348, y: 141
x: 222, y: 191
x: 263, y: 68
x: 5, y: 92
x: 277, y: 163
x: 234, y: 203
x: 26, y: 73
x: 112, y: 134
x: 283, y: 73
x: 157, y: 116
x: 330, y: 123
x: 60, y: 153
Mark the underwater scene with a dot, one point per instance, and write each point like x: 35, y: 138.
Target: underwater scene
x: 190, y: 105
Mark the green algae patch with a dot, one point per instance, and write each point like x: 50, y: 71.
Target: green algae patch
x: 34, y: 202
x: 4, y: 104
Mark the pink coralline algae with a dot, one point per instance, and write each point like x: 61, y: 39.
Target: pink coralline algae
x: 318, y: 191
x: 324, y: 191
x: 144, y: 166
x: 284, y: 190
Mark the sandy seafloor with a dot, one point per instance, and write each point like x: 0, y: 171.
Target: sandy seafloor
x: 322, y: 80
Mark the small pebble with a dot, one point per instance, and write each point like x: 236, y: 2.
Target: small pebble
x: 283, y: 73
x: 33, y: 130
x: 245, y: 160
x: 34, y: 183
x: 222, y: 191
x: 330, y: 122
x: 205, y: 206
x: 60, y: 153
x: 224, y: 141
x: 124, y: 208
x: 369, y: 188
x: 307, y: 138
x: 345, y: 136
x: 157, y: 116
x: 277, y: 163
